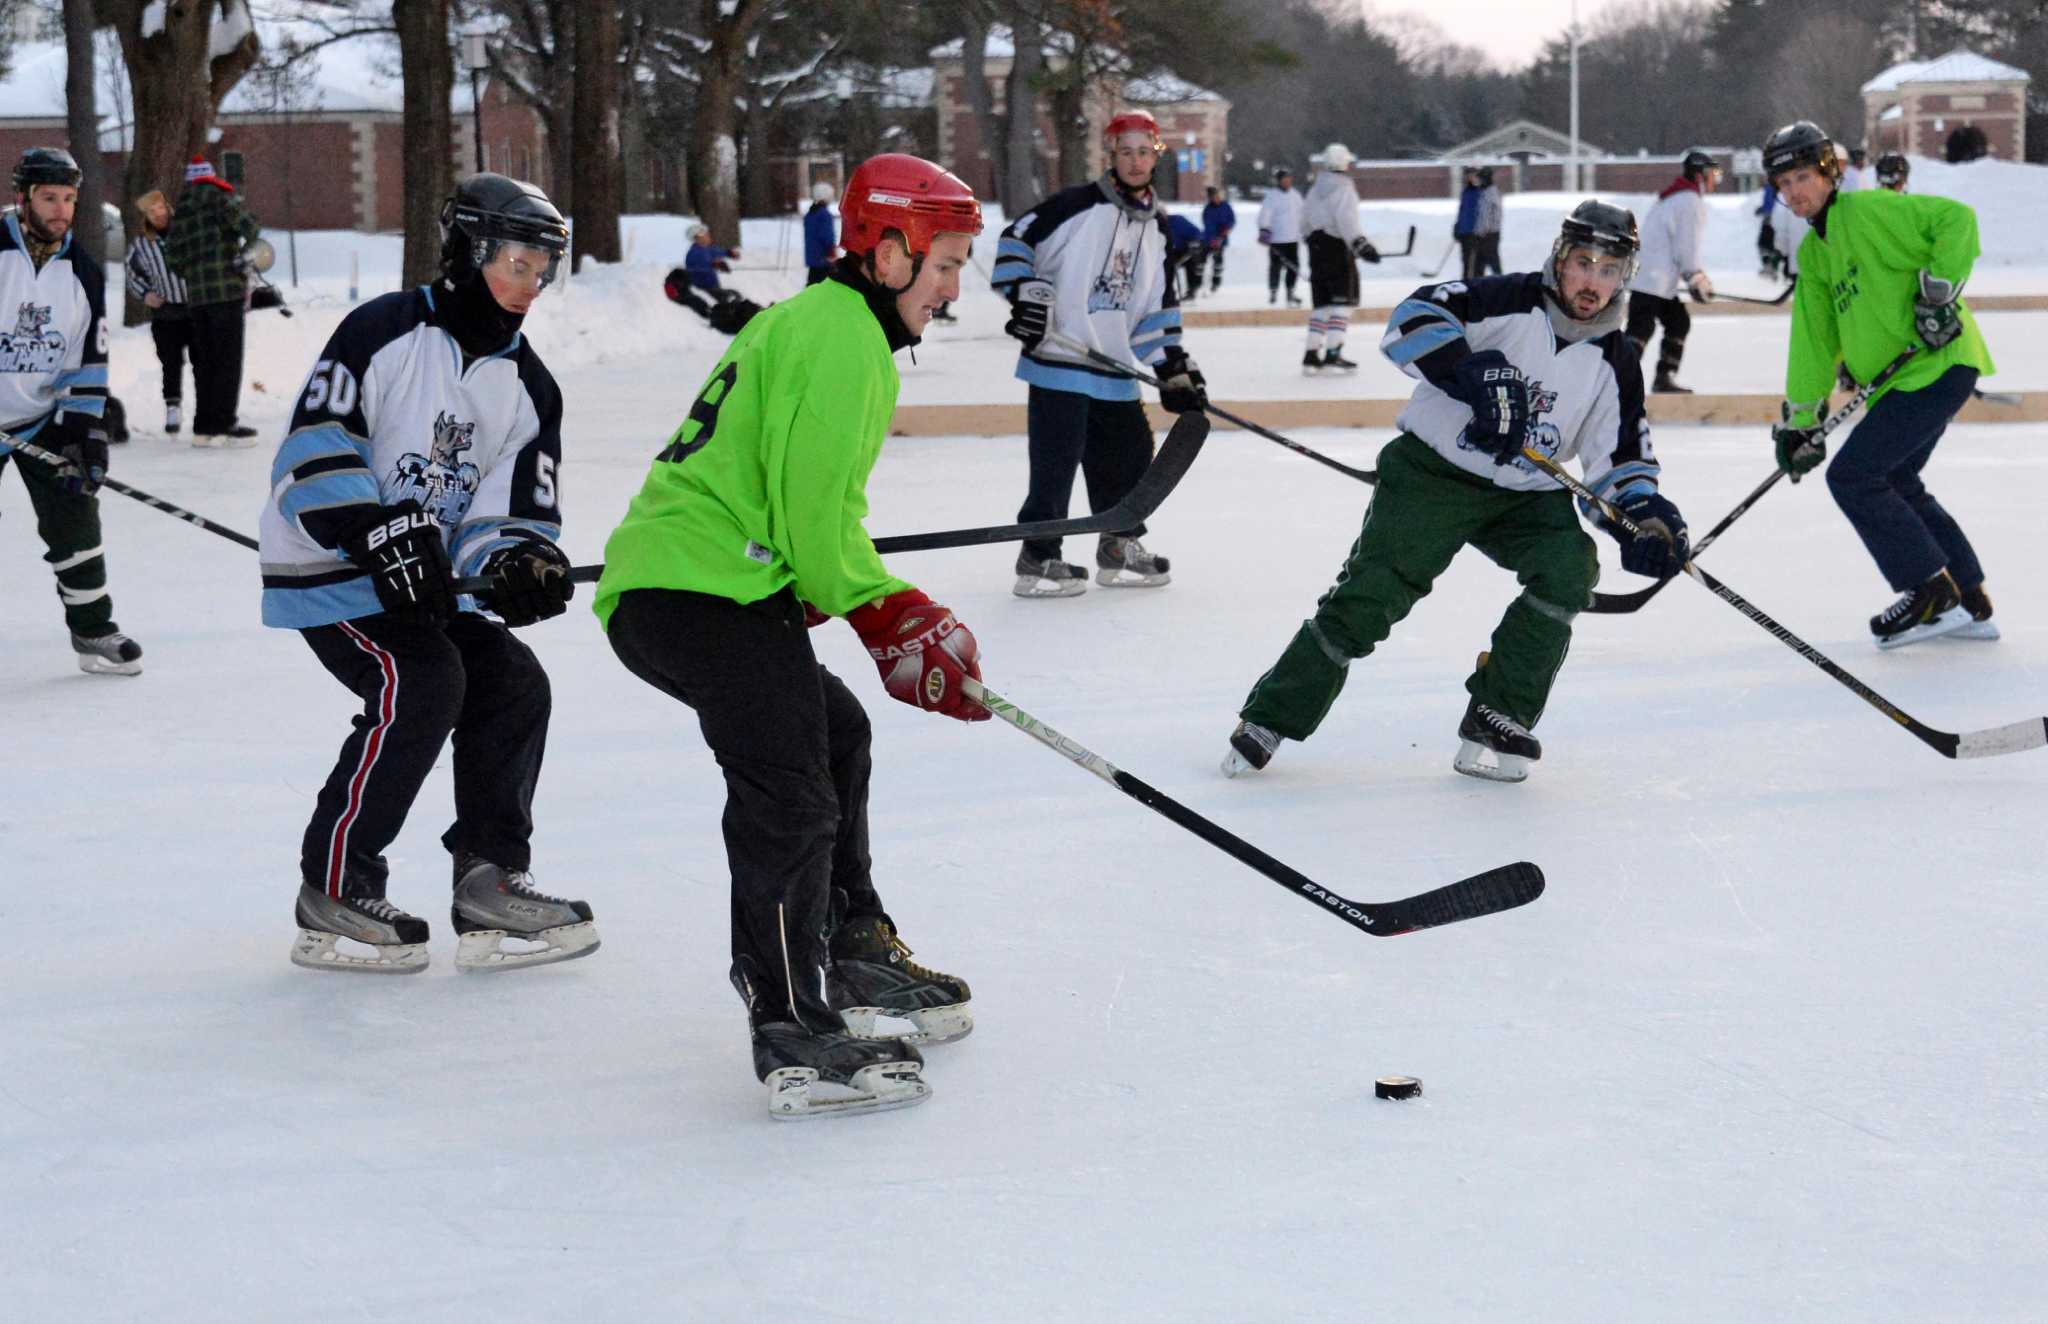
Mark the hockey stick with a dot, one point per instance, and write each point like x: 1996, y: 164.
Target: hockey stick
x: 1989, y: 742
x: 55, y: 460
x: 1406, y: 251
x: 1442, y: 261
x: 1176, y: 455
x: 1614, y: 604
x: 1487, y: 893
x: 1744, y: 298
x: 2004, y: 398
x: 1096, y: 356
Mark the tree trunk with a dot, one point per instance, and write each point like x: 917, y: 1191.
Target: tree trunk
x: 1070, y: 121
x: 987, y: 180
x: 713, y: 156
x: 176, y: 88
x: 1021, y: 187
x: 81, y: 122
x: 596, y: 131
x: 428, y: 68
x: 759, y: 194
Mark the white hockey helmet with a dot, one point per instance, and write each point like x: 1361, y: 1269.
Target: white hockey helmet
x: 1338, y: 157
x: 822, y: 191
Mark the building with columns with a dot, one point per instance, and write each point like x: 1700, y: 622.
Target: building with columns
x: 1915, y: 106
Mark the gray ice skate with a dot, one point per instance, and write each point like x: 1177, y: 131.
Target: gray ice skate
x: 111, y: 654
x: 872, y: 976
x: 1048, y: 578
x: 494, y: 905
x: 1124, y: 563
x: 396, y: 942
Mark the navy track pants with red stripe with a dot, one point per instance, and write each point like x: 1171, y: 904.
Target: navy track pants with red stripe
x: 420, y: 684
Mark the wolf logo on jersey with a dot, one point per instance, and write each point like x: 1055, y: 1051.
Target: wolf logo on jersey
x: 32, y: 346
x: 441, y: 481
x: 1112, y: 287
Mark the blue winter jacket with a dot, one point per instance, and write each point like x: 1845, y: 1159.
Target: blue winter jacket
x: 1468, y: 211
x: 1218, y: 220
x: 700, y: 261
x: 821, y: 233
x: 1181, y: 234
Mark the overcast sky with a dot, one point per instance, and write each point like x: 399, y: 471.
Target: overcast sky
x: 1511, y: 31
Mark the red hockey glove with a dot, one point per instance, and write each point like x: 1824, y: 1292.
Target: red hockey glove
x: 922, y: 652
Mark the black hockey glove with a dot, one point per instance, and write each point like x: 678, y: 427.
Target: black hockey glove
x: 408, y: 564
x: 82, y: 441
x: 1936, y: 314
x: 1030, y: 312
x: 1661, y: 549
x: 1800, y: 450
x: 530, y: 582
x: 1499, y: 397
x: 1362, y: 249
x: 1181, y: 388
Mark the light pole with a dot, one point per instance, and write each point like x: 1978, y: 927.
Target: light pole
x: 477, y: 59
x: 1575, y: 96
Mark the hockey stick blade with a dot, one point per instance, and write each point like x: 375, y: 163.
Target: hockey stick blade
x: 1176, y: 456
x: 2013, y: 738
x: 1441, y: 262
x: 1406, y: 251
x: 1485, y: 893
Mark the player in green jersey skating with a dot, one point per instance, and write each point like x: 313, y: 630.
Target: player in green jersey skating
x: 748, y: 526
x: 1882, y: 272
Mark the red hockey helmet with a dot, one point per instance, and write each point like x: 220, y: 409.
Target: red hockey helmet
x: 908, y: 194
x: 1132, y: 121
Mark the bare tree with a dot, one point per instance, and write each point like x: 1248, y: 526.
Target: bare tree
x: 1021, y: 186
x: 81, y: 117
x: 179, y: 70
x: 718, y: 38
x: 429, y: 73
x: 596, y: 130
x: 534, y: 55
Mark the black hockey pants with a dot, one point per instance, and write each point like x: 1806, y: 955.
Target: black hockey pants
x: 70, y: 529
x: 418, y: 684
x: 1645, y: 313
x: 1109, y: 441
x: 216, y: 366
x: 792, y: 742
x: 1283, y: 262
x: 173, y: 337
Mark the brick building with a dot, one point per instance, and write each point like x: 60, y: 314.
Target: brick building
x: 1194, y: 124
x: 321, y: 148
x: 1914, y: 107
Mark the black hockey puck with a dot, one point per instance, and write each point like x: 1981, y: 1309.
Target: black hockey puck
x: 1397, y: 1087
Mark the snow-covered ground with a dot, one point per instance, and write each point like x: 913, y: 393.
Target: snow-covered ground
x: 1770, y: 1047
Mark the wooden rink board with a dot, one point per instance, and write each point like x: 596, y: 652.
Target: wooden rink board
x: 1194, y: 314
x: 1285, y: 416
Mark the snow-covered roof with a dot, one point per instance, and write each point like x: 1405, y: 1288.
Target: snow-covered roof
x: 1960, y: 65
x: 999, y: 45
x: 1165, y: 89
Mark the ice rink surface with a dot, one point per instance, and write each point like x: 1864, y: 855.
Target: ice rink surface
x: 1770, y: 1047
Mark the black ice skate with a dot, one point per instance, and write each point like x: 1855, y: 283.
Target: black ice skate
x: 494, y: 905
x: 396, y: 942
x: 1978, y: 603
x: 870, y: 1075
x: 1334, y: 361
x: 1934, y: 608
x: 1251, y: 748
x: 1666, y: 383
x: 1494, y: 746
x: 1050, y: 578
x: 872, y: 975
x: 1311, y: 363
x: 1124, y: 563
x: 110, y: 654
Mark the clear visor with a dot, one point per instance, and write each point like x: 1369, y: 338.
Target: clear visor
x: 524, y: 263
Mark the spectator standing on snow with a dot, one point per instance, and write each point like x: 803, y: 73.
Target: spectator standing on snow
x: 204, y: 248
x: 821, y: 238
x: 1218, y: 220
x: 151, y: 280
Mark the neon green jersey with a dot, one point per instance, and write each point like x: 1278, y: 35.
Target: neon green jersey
x: 765, y: 483
x: 1856, y: 289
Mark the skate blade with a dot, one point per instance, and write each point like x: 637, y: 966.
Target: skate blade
x: 1031, y: 586
x: 92, y: 664
x: 929, y: 1025
x: 315, y: 950
x: 872, y: 1089
x: 1949, y: 622
x: 1130, y: 578
x: 1983, y: 630
x: 1237, y: 765
x: 1505, y: 767
x: 481, y: 950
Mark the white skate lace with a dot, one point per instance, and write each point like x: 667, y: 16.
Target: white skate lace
x: 1898, y: 609
x: 521, y: 884
x: 1500, y: 722
x: 378, y: 908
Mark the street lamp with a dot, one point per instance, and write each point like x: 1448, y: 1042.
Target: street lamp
x: 476, y: 57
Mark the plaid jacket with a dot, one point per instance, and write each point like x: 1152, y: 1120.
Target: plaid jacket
x: 207, y: 234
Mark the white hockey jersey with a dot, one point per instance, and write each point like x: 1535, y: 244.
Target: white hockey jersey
x: 395, y: 411
x: 1332, y: 207
x: 1106, y: 260
x: 1280, y: 216
x: 53, y: 361
x: 1674, y: 235
x: 1585, y: 383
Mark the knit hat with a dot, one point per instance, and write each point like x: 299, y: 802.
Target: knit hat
x: 198, y: 169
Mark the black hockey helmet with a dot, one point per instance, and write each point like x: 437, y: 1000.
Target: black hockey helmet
x: 1857, y: 156
x: 1697, y: 163
x: 488, y: 210
x: 1602, y: 227
x: 45, y: 165
x: 1801, y: 143
x: 1484, y: 174
x: 1892, y: 169
x: 1282, y: 173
